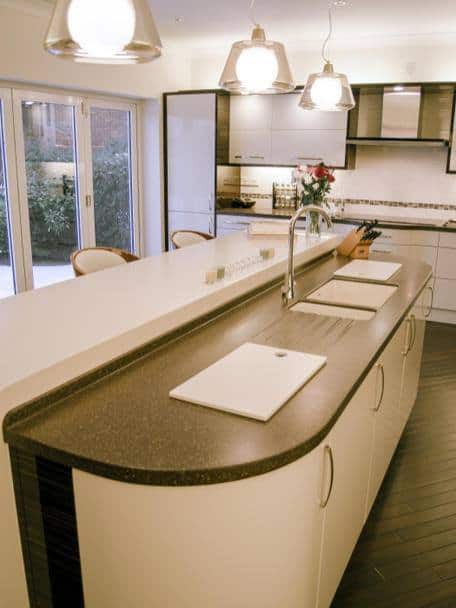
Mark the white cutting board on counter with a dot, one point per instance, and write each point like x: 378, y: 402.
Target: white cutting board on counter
x: 368, y: 270
x: 253, y: 381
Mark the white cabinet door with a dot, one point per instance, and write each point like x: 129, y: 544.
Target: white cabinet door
x: 253, y: 543
x: 251, y: 112
x: 233, y: 223
x: 413, y: 353
x: 387, y: 427
x: 308, y: 147
x: 250, y: 147
x: 287, y: 115
x: 445, y: 294
x: 191, y: 128
x: 351, y: 443
x: 448, y: 239
x: 415, y: 252
x: 452, y: 161
x: 201, y: 222
x: 446, y: 265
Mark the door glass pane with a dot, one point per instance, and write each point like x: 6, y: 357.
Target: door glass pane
x: 112, y: 183
x: 50, y: 163
x: 6, y: 267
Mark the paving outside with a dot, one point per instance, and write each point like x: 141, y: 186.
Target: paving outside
x: 43, y: 275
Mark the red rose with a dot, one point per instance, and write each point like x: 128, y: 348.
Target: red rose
x: 331, y: 178
x: 320, y: 172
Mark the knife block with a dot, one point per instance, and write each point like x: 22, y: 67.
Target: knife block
x: 351, y: 242
x: 361, y: 251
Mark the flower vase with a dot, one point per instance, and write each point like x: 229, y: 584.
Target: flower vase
x: 313, y: 224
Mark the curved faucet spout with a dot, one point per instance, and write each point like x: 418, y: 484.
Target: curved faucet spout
x: 288, y: 289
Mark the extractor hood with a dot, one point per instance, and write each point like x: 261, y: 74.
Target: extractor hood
x: 393, y: 115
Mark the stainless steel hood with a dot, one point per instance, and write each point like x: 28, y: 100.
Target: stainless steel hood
x: 401, y: 112
x: 393, y: 115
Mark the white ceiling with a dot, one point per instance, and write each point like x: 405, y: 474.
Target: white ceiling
x: 216, y: 23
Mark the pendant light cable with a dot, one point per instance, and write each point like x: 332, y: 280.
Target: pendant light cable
x: 252, y: 13
x: 328, y: 37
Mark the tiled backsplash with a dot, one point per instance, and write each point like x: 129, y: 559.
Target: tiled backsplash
x: 386, y: 180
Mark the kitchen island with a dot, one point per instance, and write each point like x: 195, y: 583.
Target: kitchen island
x: 166, y: 503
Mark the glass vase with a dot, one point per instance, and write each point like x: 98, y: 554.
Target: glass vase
x: 313, y: 224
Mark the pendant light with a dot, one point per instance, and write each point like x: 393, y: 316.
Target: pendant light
x: 103, y: 31
x: 258, y: 65
x: 327, y: 90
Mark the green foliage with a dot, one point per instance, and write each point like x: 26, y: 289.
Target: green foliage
x: 52, y: 204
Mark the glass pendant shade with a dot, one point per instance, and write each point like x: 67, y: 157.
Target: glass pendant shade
x: 257, y: 66
x: 327, y: 91
x: 103, y: 31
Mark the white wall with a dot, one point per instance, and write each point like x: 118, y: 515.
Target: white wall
x: 411, y: 175
x: 389, y: 61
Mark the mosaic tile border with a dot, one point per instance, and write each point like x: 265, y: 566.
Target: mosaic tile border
x: 374, y: 203
x: 355, y: 201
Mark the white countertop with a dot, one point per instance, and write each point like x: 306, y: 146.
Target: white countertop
x: 53, y: 335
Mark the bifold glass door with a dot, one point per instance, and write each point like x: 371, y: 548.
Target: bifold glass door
x: 47, y: 151
x: 74, y: 184
x: 113, y: 173
x: 7, y: 282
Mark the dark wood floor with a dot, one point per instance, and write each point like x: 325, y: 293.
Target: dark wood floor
x: 406, y: 555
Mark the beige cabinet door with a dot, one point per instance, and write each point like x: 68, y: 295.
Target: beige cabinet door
x: 413, y: 353
x: 348, y: 455
x: 387, y: 426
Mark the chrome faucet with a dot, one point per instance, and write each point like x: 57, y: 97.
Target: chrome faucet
x: 288, y: 289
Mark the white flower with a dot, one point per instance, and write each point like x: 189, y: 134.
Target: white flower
x: 316, y: 187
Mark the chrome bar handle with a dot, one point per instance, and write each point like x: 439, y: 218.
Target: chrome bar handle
x: 382, y: 392
x: 329, y: 452
x: 413, y: 317
x: 408, y: 336
x: 431, y: 305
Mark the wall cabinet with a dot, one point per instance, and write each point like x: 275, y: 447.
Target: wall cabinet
x: 308, y: 147
x: 287, y: 115
x: 250, y: 147
x: 274, y: 130
x: 251, y: 112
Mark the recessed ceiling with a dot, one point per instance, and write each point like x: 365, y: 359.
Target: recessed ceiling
x: 216, y: 23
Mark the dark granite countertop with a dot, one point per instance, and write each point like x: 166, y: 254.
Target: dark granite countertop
x: 120, y: 423
x: 401, y: 223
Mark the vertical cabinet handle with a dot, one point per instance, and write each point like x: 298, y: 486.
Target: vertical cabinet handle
x: 431, y: 304
x: 413, y: 332
x: 408, y: 337
x: 324, y: 501
x: 382, y: 391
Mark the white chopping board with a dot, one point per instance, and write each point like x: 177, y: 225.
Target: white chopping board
x: 253, y: 381
x: 340, y: 292
x: 369, y: 270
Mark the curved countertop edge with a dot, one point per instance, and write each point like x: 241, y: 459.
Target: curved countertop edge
x: 187, y: 477
x: 391, y: 223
